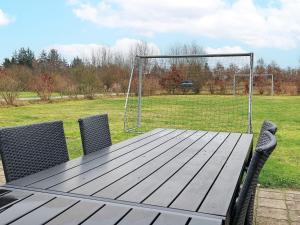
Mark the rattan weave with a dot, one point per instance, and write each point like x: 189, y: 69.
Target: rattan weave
x: 95, y: 133
x: 29, y: 149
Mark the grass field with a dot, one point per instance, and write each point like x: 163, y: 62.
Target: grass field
x: 282, y: 170
x: 28, y: 94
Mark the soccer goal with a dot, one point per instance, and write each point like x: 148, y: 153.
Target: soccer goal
x: 263, y: 84
x: 189, y: 92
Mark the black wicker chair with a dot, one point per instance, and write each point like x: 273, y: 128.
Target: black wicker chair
x: 269, y: 126
x: 29, y: 149
x: 95, y: 134
x: 266, y: 126
x: 266, y: 145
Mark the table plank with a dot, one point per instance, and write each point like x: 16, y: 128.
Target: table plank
x: 46, y: 208
x: 144, y: 189
x: 24, y: 206
x: 76, y: 214
x: 205, y: 221
x: 228, y: 180
x: 122, y: 185
x: 46, y: 212
x: 111, y: 177
x: 195, y: 191
x: 169, y: 219
x: 103, y: 164
x: 108, y: 215
x: 85, y: 183
x: 138, y: 217
x: 81, y: 160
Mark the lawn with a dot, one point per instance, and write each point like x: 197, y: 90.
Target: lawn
x: 28, y: 94
x: 282, y: 170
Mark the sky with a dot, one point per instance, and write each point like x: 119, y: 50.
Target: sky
x: 269, y: 28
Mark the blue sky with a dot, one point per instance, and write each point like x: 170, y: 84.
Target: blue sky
x: 269, y: 28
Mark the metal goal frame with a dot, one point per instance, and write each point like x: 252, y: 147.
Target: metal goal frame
x: 137, y: 62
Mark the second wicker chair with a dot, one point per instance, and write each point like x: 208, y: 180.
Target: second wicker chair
x: 272, y: 128
x: 95, y: 133
x: 266, y: 145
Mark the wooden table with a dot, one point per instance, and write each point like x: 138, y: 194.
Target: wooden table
x: 166, y: 176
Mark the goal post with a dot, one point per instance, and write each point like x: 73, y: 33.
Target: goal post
x: 184, y: 91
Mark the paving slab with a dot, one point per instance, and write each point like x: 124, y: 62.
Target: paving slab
x: 271, y: 203
x: 293, y: 205
x: 270, y: 221
x: 280, y: 214
x: 294, y: 215
x: 271, y: 195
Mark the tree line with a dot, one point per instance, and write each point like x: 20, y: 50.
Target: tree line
x: 107, y: 71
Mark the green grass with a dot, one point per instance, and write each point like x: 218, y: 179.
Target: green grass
x: 282, y: 170
x: 28, y: 94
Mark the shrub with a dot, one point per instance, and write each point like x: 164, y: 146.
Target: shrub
x: 9, y: 88
x: 172, y: 80
x: 44, y: 85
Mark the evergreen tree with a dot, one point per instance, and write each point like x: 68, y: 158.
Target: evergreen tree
x: 24, y: 57
x: 77, y: 62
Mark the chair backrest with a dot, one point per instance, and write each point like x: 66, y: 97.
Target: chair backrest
x: 29, y: 149
x: 95, y: 133
x: 266, y: 126
x: 269, y: 126
x: 266, y: 145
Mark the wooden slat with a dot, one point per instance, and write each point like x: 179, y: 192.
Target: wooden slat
x: 3, y: 192
x: 76, y: 214
x: 113, y: 160
x: 11, y: 198
x: 141, y: 191
x: 95, y: 185
x: 84, y: 178
x: 127, y: 151
x: 179, y: 150
x: 25, y: 204
x: 205, y: 221
x: 138, y: 217
x: 81, y: 160
x: 228, y: 180
x: 195, y: 192
x: 46, y: 211
x: 171, y: 219
x: 108, y: 215
x: 55, y: 209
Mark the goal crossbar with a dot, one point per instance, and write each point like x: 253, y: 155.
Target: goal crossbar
x: 193, y: 56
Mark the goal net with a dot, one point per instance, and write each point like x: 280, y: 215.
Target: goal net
x: 263, y: 84
x: 190, y: 92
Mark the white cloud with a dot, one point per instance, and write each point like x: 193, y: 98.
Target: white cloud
x: 122, y: 46
x: 275, y: 25
x: 72, y: 2
x: 4, y: 19
x: 225, y: 50
x: 70, y: 51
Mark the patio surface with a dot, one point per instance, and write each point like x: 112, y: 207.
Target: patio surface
x: 273, y: 206
x: 277, y: 207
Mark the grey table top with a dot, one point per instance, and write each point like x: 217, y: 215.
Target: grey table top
x: 30, y: 207
x: 167, y: 173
